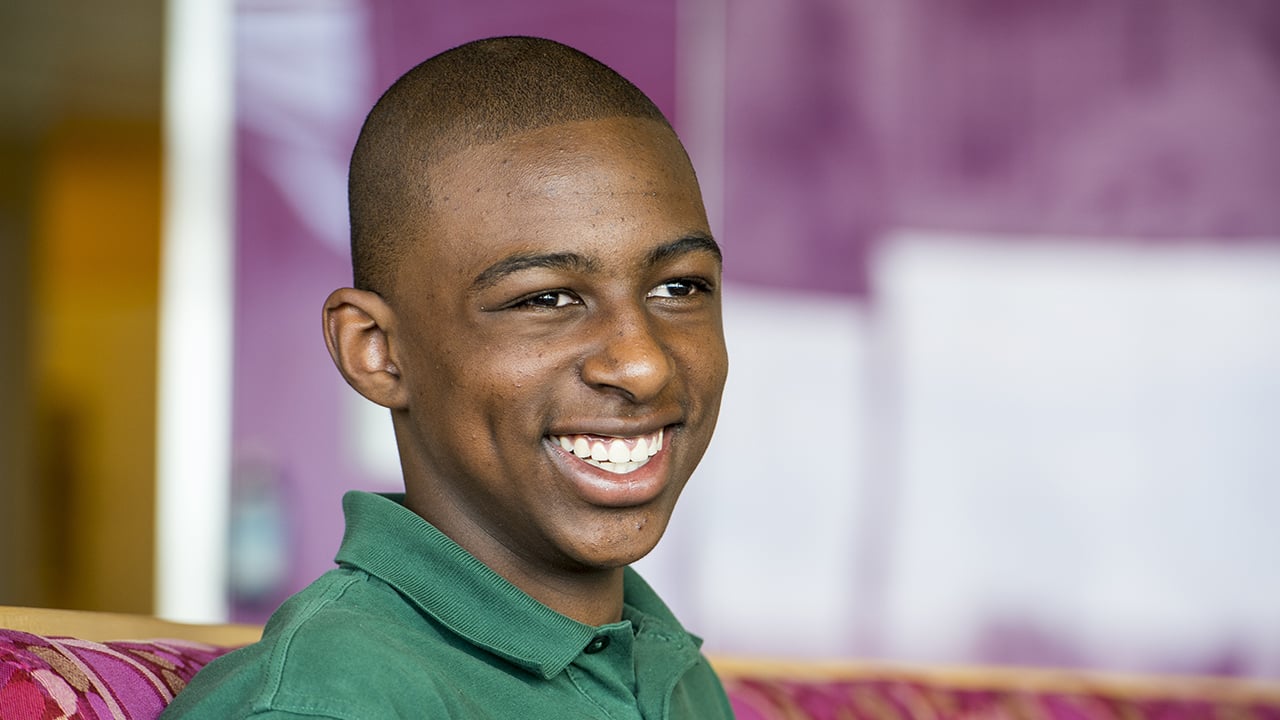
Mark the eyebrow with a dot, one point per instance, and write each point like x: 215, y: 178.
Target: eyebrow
x: 575, y: 262
x: 696, y: 242
x: 523, y: 261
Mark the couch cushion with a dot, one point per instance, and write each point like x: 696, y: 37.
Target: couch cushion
x: 49, y: 678
x: 886, y: 698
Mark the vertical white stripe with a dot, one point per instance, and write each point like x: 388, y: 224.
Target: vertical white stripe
x: 194, y: 413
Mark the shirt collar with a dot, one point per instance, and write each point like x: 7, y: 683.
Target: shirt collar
x: 391, y: 542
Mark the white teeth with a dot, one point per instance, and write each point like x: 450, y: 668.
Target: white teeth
x: 616, y: 455
x: 640, y: 451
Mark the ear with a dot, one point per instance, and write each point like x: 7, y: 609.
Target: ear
x: 358, y: 327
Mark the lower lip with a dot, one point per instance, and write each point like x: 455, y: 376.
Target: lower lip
x: 605, y: 489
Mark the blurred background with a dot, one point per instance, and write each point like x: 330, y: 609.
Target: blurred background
x: 1003, y: 308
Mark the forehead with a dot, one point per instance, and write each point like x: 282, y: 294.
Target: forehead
x: 598, y: 186
x: 614, y: 155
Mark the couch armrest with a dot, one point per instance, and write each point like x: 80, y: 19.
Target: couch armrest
x: 101, y: 626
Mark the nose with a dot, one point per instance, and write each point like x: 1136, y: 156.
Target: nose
x: 630, y: 359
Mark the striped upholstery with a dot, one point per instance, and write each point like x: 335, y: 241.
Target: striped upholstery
x: 48, y: 678
x: 760, y: 690
x: 52, y: 678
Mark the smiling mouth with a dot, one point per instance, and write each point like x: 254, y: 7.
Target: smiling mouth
x: 618, y: 455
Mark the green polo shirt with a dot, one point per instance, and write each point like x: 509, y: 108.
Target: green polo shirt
x: 410, y: 625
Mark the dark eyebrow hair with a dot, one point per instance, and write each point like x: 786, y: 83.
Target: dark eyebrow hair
x: 697, y: 242
x: 523, y: 261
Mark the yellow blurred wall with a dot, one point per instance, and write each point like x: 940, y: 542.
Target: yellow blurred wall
x: 96, y: 261
x: 80, y: 197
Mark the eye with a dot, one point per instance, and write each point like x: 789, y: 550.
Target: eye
x: 549, y: 299
x: 679, y: 288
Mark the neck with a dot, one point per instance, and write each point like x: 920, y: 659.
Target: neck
x: 592, y: 598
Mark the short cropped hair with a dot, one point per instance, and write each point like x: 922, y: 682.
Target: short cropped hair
x: 474, y: 94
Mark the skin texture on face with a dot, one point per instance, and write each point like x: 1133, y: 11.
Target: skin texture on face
x: 564, y: 294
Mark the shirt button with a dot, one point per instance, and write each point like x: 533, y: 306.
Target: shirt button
x: 597, y: 644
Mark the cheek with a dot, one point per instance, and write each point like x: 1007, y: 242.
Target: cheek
x: 462, y: 362
x: 508, y: 383
x: 536, y: 362
x: 706, y: 363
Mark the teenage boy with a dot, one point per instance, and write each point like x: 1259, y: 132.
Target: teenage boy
x: 537, y: 301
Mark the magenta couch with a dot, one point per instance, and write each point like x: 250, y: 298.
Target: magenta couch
x: 74, y: 674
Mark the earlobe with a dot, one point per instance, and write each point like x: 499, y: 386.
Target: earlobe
x: 358, y: 329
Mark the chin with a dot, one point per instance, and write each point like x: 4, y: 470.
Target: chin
x: 621, y: 544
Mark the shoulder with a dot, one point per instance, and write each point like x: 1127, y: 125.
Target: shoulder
x: 348, y: 646
x: 700, y: 694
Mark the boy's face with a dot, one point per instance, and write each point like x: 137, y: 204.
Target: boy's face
x: 558, y: 331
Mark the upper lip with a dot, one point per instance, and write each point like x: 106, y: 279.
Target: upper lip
x: 612, y: 427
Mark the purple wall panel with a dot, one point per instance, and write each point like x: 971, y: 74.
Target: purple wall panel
x: 287, y: 406
x: 1140, y: 119
x: 803, y: 184
x: 1137, y: 118
x: 636, y: 39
